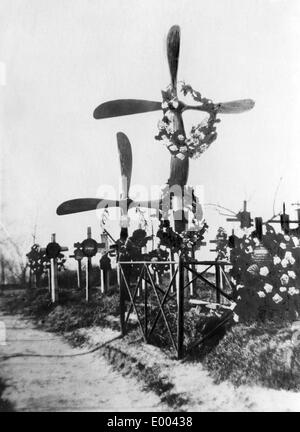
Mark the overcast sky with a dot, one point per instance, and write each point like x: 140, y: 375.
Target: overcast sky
x: 63, y: 58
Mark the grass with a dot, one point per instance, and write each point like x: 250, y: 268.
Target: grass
x: 71, y: 313
x: 262, y: 354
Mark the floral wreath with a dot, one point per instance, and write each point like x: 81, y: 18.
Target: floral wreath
x: 201, y: 136
x: 268, y: 288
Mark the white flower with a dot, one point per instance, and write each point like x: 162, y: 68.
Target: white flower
x: 164, y: 105
x: 239, y: 286
x: 170, y: 129
x: 198, y: 135
x: 295, y: 241
x: 256, y: 241
x: 203, y: 147
x: 235, y: 317
x: 253, y: 269
x: 292, y: 274
x: 183, y: 149
x: 276, y: 260
x: 282, y: 289
x: 268, y: 288
x: 180, y: 156
x: 289, y: 257
x: 162, y: 125
x: 277, y: 298
x: 297, y: 291
x: 249, y: 249
x: 181, y: 137
x: 292, y: 291
x: 173, y: 147
x: 239, y: 298
x: 264, y: 271
x: 292, y: 260
x: 169, y: 115
x: 261, y: 294
x: 287, y: 237
x: 282, y: 245
x: 175, y: 103
x: 284, y: 263
x: 284, y: 279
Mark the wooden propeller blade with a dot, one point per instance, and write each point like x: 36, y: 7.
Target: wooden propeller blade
x: 235, y: 107
x: 125, y: 155
x: 85, y: 204
x: 122, y: 107
x: 173, y: 48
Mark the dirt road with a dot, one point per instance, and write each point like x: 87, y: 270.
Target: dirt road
x: 52, y: 381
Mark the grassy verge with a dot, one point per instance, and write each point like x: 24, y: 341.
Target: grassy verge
x: 263, y: 354
x: 71, y: 313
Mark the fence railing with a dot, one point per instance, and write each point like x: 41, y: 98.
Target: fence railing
x: 147, y: 291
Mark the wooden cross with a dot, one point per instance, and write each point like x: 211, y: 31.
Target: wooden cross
x: 53, y: 250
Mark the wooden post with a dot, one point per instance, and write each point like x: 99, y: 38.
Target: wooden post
x: 172, y: 271
x: 145, y: 288
x: 53, y: 272
x: 144, y: 284
x: 102, y: 280
x: 49, y: 278
x: 79, y: 274
x: 87, y: 278
x: 218, y: 283
x: 122, y: 301
x: 32, y: 280
x: 157, y: 279
x: 221, y: 281
x: 52, y: 252
x: 88, y: 269
x: 194, y: 283
x: 180, y: 310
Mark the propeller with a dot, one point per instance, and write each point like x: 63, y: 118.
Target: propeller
x: 173, y: 48
x: 125, y: 156
x: 235, y: 107
x: 179, y: 168
x: 85, y: 204
x: 121, y: 107
x: 79, y: 205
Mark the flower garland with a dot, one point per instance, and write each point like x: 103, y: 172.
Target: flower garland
x: 193, y: 239
x: 201, y: 136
